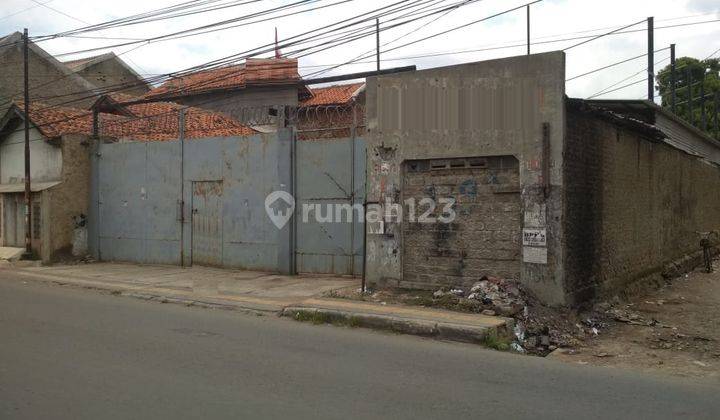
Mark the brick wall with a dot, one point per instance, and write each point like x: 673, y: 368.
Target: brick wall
x: 483, y: 239
x: 633, y: 205
x: 69, y: 198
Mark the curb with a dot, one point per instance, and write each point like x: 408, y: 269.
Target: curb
x: 410, y: 326
x: 394, y: 323
x: 151, y: 296
x: 198, y: 303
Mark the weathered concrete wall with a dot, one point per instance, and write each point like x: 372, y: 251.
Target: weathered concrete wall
x: 491, y: 108
x: 112, y: 73
x: 50, y: 81
x: 633, y: 206
x: 45, y: 159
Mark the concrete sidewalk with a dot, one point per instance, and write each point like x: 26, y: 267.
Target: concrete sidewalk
x: 299, y: 297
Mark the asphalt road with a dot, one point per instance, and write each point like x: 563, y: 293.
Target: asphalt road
x: 68, y: 353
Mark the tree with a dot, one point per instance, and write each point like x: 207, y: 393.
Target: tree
x: 710, y: 69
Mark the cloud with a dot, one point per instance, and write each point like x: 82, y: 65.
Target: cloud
x: 550, y: 20
x: 704, y: 5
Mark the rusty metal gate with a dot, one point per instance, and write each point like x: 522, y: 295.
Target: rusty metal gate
x: 330, y: 190
x: 207, y: 231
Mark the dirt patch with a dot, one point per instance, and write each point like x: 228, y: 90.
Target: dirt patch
x: 674, y: 329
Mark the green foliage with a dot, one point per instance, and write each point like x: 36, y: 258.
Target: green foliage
x: 497, y: 342
x: 705, y: 73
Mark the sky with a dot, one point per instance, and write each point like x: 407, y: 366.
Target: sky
x: 551, y: 20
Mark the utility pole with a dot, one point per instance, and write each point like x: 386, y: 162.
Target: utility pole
x: 688, y: 79
x: 528, y: 29
x: 26, y: 111
x: 717, y: 113
x: 377, y: 41
x: 651, y: 58
x: 673, y: 79
x: 703, y: 113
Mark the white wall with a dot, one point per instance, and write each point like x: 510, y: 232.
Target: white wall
x: 45, y: 158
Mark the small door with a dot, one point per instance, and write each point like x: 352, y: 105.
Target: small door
x: 14, y: 220
x: 207, y: 223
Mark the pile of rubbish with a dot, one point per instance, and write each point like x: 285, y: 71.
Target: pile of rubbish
x: 494, y: 295
x: 538, y: 329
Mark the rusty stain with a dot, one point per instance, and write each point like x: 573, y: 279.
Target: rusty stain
x: 204, y: 189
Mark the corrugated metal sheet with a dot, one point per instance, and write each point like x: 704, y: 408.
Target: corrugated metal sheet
x: 207, y: 233
x: 330, y: 173
x: 139, y: 187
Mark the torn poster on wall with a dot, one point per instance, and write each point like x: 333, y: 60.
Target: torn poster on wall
x: 534, y: 237
x: 534, y: 255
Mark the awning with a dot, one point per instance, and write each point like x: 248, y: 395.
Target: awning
x: 20, y: 187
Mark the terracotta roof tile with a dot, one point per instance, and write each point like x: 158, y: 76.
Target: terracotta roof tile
x: 255, y: 71
x: 332, y: 95
x: 152, y: 122
x: 55, y: 121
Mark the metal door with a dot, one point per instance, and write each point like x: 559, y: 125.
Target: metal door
x: 207, y: 223
x: 14, y: 223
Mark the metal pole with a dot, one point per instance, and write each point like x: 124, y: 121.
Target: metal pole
x: 181, y: 202
x: 717, y: 103
x: 291, y: 124
x: 28, y: 193
x: 353, y: 135
x: 528, y: 29
x: 703, y: 113
x: 688, y: 78
x: 96, y: 124
x: 673, y: 79
x: 651, y: 59
x: 377, y: 41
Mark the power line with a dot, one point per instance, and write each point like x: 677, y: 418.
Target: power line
x: 119, y: 21
x: 149, y: 81
x: 59, y: 11
x: 365, y: 54
x: 644, y: 79
x: 24, y: 10
x: 372, y: 30
x: 603, y: 35
x: 489, y: 47
x: 253, y: 52
x: 612, y: 65
x: 194, y: 31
